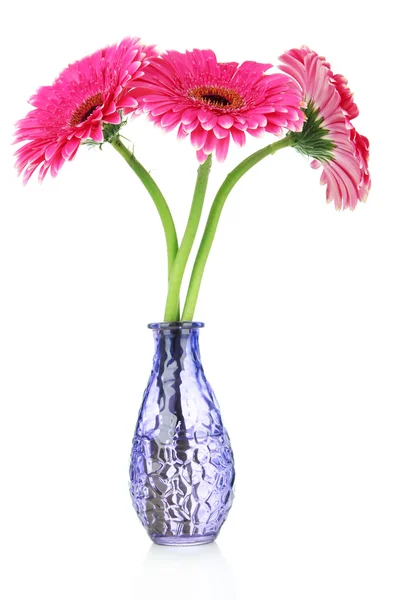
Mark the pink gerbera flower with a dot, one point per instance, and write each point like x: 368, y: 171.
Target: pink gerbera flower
x: 87, y: 94
x: 328, y: 134
x: 214, y: 101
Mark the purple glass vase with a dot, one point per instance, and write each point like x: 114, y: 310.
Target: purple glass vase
x: 182, y: 470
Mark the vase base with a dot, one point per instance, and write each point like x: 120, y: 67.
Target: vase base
x: 183, y: 540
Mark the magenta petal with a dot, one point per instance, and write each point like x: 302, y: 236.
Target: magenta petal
x: 172, y: 125
x: 159, y: 110
x: 72, y: 145
x: 201, y: 156
x: 271, y: 128
x: 210, y: 124
x: 127, y: 102
x: 211, y: 143
x: 205, y: 116
x: 96, y: 133
x: 64, y: 152
x: 56, y: 164
x: 220, y: 132
x: 239, y: 137
x: 189, y: 115
x: 222, y: 149
x: 257, y: 133
x: 189, y: 127
x: 241, y: 126
x: 28, y: 174
x: 113, y: 118
x: 181, y: 132
x: 170, y: 118
x: 50, y: 151
x: 226, y: 121
x: 69, y: 150
x: 110, y: 109
x: 198, y: 137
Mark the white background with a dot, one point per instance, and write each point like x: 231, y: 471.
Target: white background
x: 301, y: 344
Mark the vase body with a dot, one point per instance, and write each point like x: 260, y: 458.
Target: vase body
x: 181, y: 470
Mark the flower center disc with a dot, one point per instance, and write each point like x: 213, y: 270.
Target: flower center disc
x: 87, y: 108
x: 216, y: 97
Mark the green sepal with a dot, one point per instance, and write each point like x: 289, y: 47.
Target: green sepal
x: 312, y: 140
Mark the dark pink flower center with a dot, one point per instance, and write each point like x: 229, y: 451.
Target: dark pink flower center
x: 217, y: 97
x: 87, y: 108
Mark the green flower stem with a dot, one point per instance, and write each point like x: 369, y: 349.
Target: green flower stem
x: 158, y: 199
x: 175, y: 280
x: 213, y: 219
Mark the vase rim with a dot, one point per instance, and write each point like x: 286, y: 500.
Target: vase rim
x: 173, y: 325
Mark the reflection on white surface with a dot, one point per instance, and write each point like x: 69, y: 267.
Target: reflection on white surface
x: 196, y: 572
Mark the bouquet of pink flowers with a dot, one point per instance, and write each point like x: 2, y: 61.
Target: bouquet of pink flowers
x: 211, y: 103
x: 182, y: 468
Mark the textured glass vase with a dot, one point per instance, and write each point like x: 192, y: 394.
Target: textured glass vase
x: 181, y: 471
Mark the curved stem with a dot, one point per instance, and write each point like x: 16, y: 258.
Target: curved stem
x: 213, y: 219
x: 176, y: 276
x: 158, y: 199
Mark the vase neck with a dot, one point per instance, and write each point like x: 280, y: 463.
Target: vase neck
x: 177, y: 342
x: 178, y: 395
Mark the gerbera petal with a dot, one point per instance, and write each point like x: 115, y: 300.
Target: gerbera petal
x: 221, y: 150
x: 127, y: 102
x: 181, y: 132
x: 114, y: 118
x: 169, y: 118
x: 205, y: 116
x: 111, y: 109
x: 211, y: 143
x: 210, y: 124
x: 189, y: 115
x: 226, y: 121
x: 220, y: 132
x: 198, y: 137
x: 96, y: 133
x: 191, y: 126
x: 238, y: 136
x: 50, y: 151
x: 271, y: 128
x: 201, y: 156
